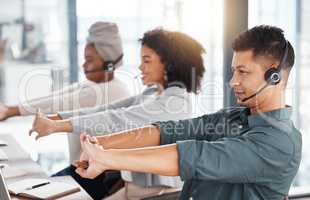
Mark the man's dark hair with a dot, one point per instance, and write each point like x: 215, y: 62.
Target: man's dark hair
x: 267, y: 41
x: 181, y: 55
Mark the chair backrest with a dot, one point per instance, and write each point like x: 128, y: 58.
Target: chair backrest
x: 4, y: 193
x: 166, y: 196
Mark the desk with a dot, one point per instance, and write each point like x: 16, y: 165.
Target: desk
x: 300, y: 193
x: 19, y: 158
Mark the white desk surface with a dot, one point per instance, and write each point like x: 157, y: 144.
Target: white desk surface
x: 20, y: 159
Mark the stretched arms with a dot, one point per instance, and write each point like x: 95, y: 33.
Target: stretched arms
x: 158, y: 160
x: 45, y: 126
x: 136, y: 138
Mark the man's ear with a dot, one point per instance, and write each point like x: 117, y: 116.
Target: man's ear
x: 275, y: 64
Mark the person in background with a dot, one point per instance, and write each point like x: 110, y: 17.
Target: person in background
x: 237, y: 153
x: 103, y: 54
x: 172, y: 66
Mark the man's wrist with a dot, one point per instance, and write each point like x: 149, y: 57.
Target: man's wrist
x: 107, y: 159
x: 102, y: 141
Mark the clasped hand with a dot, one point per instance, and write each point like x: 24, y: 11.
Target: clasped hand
x: 90, y: 164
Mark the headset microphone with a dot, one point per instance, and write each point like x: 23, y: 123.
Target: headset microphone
x: 273, y: 75
x: 256, y: 93
x: 108, y: 66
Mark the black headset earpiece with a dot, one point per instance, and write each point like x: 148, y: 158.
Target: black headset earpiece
x: 109, y: 66
x: 273, y: 75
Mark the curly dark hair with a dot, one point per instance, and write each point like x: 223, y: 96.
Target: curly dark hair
x: 181, y: 55
x: 267, y: 41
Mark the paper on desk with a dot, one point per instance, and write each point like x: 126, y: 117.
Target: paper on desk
x: 12, y: 172
x: 20, y: 186
x: 53, y: 190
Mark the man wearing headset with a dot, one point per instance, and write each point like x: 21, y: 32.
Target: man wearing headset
x: 248, y: 152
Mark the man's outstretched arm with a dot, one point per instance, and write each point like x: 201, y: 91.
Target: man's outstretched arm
x: 135, y: 138
x: 161, y: 160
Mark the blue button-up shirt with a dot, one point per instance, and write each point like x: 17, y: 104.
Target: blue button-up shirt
x: 234, y: 155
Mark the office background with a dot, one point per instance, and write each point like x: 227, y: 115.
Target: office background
x: 43, y: 43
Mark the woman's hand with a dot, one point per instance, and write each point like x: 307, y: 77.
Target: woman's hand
x: 4, y: 109
x: 42, y: 125
x: 90, y: 164
x: 8, y: 111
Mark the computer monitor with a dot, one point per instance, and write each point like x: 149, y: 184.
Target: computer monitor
x: 4, y: 193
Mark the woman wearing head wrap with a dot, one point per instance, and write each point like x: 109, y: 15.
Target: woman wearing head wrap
x: 103, y: 53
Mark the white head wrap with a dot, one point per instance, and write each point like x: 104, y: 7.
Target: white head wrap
x: 105, y: 36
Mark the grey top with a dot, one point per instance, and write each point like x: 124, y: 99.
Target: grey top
x: 171, y: 104
x: 232, y: 155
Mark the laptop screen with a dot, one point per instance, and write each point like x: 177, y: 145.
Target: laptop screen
x: 4, y: 193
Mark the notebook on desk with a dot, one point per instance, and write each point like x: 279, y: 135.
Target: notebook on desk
x: 37, y: 189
